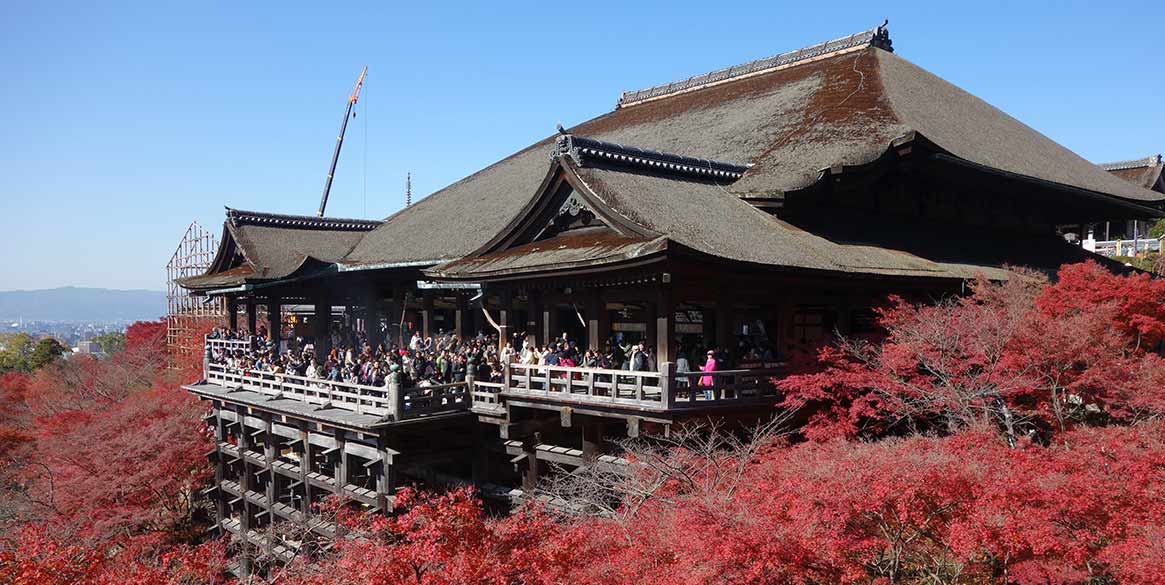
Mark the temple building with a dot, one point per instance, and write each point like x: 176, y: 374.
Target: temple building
x: 769, y: 204
x: 1144, y: 172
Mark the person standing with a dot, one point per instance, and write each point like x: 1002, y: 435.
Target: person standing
x: 706, y: 381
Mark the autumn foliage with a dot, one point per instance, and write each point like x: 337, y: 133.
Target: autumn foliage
x: 1012, y: 435
x: 102, y: 468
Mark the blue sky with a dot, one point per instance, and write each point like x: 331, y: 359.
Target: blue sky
x: 122, y: 122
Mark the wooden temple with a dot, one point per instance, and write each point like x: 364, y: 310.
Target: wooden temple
x: 777, y: 200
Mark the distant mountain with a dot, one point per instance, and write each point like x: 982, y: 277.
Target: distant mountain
x: 82, y: 304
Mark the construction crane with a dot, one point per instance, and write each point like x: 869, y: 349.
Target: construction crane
x: 340, y: 140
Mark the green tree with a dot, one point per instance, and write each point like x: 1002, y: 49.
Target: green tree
x: 47, y: 350
x: 110, y: 343
x: 14, y: 351
x: 1158, y: 229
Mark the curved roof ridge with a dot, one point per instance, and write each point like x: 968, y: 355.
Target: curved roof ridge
x: 878, y: 36
x: 264, y: 218
x: 586, y: 151
x: 1132, y: 164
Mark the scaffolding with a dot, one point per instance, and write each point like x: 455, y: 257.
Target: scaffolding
x: 186, y: 312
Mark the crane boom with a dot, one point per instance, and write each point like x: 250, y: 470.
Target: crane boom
x: 340, y: 140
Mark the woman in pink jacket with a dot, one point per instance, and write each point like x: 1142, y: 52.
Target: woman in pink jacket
x: 706, y: 381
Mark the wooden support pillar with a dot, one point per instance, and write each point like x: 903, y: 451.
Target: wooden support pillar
x: 530, y: 479
x: 372, y: 318
x: 246, y: 480
x: 305, y: 467
x: 252, y: 317
x: 507, y: 299
x: 220, y: 437
x: 461, y: 317
x: 426, y: 313
x: 341, y: 472
x: 594, y: 306
x: 321, y: 329
x: 535, y: 320
x: 664, y: 315
x: 604, y: 318
x: 725, y: 315
x: 592, y: 439
x: 393, y: 308
x: 386, y: 479
x: 650, y: 336
x: 269, y: 453
x: 275, y: 322
x: 479, y: 469
x: 233, y: 313
x: 550, y: 325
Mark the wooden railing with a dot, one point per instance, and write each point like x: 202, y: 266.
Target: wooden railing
x: 229, y: 345
x: 697, y: 389
x: 388, y: 402
x: 588, y: 385
x: 648, y: 390
x: 486, y: 395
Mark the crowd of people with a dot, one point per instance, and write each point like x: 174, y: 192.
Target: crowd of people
x: 446, y: 358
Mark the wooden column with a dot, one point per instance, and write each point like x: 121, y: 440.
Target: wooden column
x: 320, y: 328
x: 245, y: 478
x: 594, y: 306
x: 372, y: 317
x: 530, y: 479
x: 651, y: 335
x: 461, y: 317
x: 305, y: 467
x: 506, y: 298
x: 604, y: 318
x: 392, y: 311
x: 550, y: 325
x: 725, y: 315
x: 252, y: 317
x: 386, y: 479
x: 535, y: 321
x: 664, y: 315
x: 426, y: 313
x: 341, y: 472
x: 220, y: 436
x: 592, y: 439
x: 269, y: 440
x: 233, y: 313
x: 275, y: 322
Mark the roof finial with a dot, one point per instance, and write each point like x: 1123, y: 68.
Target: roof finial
x: 408, y: 189
x: 561, y: 130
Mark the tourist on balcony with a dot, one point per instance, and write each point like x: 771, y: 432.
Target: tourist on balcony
x: 639, y: 361
x: 590, y: 359
x: 683, y: 366
x: 706, y: 381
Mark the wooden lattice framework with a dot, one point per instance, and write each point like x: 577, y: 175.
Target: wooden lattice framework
x: 192, y: 257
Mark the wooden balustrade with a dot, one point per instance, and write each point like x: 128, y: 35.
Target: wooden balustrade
x: 587, y: 385
x: 382, y: 401
x: 230, y: 345
x: 668, y: 390
x: 486, y: 395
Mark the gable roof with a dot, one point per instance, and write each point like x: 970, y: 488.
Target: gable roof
x: 258, y: 246
x: 790, y: 123
x: 783, y: 122
x: 1144, y: 172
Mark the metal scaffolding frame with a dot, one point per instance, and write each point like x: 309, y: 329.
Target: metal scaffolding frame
x: 185, y: 311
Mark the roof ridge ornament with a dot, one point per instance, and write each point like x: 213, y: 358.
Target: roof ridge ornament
x: 591, y: 152
x: 875, y: 37
x: 239, y: 217
x: 1148, y: 161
